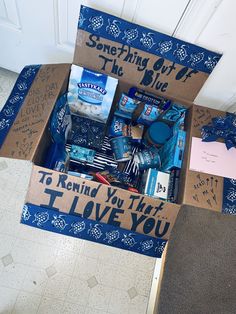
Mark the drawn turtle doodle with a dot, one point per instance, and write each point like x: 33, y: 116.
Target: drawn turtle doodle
x: 160, y: 247
x: 77, y: 227
x: 211, y: 62
x: 231, y: 195
x: 58, y: 222
x: 165, y: 46
x: 147, y: 40
x: 233, y: 181
x: 128, y: 240
x: 8, y: 111
x: 113, y: 28
x: 96, y: 22
x: 146, y: 245
x: 130, y: 35
x: 112, y: 236
x: 41, y: 218
x: 15, y: 99
x: 81, y: 20
x: 4, y: 124
x: 25, y: 213
x: 95, y: 231
x: 230, y: 209
x: 196, y: 58
x: 180, y: 52
x: 30, y: 71
x: 21, y: 86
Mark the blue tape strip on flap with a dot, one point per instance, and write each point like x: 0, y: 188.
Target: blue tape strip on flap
x: 127, y: 33
x: 78, y: 227
x: 229, y: 196
x: 16, y: 99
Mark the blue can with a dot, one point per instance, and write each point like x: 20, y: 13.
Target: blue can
x: 121, y: 147
x: 148, y: 158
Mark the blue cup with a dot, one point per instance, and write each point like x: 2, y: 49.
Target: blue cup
x: 121, y: 147
x: 148, y: 158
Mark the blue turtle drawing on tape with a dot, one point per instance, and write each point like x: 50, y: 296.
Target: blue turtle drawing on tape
x: 96, y: 22
x: 40, y: 218
x: 230, y: 209
x: 113, y: 28
x: 231, y: 196
x: 8, y: 111
x: 25, y: 213
x: 211, y: 62
x: 146, y: 245
x: 81, y: 19
x: 164, y: 46
x: 59, y: 222
x: 4, y: 123
x: 147, y: 40
x: 196, y: 58
x: 15, y: 99
x: 180, y: 52
x: 130, y: 35
x: 77, y: 227
x: 112, y: 236
x: 95, y: 231
x: 128, y: 240
x: 21, y: 86
x: 160, y: 247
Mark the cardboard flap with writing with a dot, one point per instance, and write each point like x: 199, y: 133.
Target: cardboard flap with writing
x: 26, y: 133
x: 140, y: 56
x: 92, y: 200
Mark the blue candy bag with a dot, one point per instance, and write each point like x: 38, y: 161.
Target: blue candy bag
x: 149, y: 114
x: 126, y: 107
x: 60, y: 123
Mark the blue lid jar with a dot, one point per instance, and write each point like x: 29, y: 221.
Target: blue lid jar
x: 158, y: 133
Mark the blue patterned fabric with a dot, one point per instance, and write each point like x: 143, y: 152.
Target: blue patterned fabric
x: 221, y: 127
x: 74, y: 226
x: 229, y: 196
x: 148, y: 40
x: 16, y: 99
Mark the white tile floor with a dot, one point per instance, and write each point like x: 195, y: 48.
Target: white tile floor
x: 42, y: 272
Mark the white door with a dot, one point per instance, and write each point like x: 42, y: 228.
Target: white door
x: 44, y: 31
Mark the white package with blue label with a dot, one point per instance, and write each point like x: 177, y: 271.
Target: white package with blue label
x: 91, y: 93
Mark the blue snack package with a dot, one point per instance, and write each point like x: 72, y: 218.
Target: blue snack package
x: 179, y: 124
x: 117, y: 127
x: 90, y: 94
x: 149, y: 114
x: 145, y: 97
x: 126, y: 107
x: 172, y: 152
x: 86, y: 132
x: 174, y: 113
x: 57, y: 158
x: 60, y: 121
x: 82, y: 154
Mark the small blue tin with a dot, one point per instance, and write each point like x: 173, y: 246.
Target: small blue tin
x: 121, y: 147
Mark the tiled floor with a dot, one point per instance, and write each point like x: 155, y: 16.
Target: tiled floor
x: 42, y: 272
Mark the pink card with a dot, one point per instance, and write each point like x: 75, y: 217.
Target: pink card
x: 213, y: 158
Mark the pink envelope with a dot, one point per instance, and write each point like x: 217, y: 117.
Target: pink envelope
x: 213, y: 158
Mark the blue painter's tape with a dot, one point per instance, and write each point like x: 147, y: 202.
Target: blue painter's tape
x: 16, y: 99
x: 130, y: 34
x: 78, y: 227
x: 229, y: 196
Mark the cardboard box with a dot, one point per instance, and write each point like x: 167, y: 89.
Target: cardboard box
x: 139, y: 57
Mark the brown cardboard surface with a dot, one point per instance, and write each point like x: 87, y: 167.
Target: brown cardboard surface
x: 201, y: 190
x: 96, y: 201
x: 172, y: 79
x: 27, y: 130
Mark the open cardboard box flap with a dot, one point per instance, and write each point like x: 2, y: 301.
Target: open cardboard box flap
x: 137, y: 56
